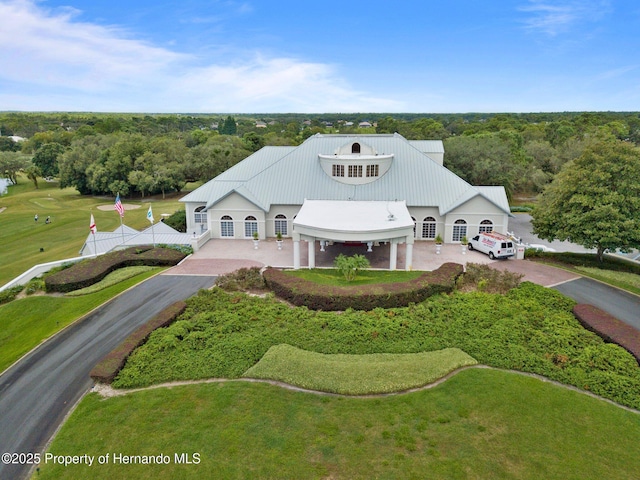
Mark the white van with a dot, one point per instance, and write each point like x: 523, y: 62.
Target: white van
x: 494, y: 244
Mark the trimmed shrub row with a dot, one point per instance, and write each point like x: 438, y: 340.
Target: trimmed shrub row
x: 10, y: 294
x: 364, y: 297
x: 584, y: 260
x: 88, y: 272
x: 112, y: 363
x: 609, y: 328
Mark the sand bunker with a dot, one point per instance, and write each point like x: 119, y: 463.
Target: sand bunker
x: 127, y: 206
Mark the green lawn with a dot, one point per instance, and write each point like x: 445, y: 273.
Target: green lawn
x: 625, y: 280
x: 530, y: 329
x: 357, y: 374
x: 26, y: 322
x: 113, y: 278
x: 480, y: 424
x: 22, y: 238
x: 330, y: 276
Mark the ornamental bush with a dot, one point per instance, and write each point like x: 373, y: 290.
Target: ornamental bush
x: 90, y: 271
x: 10, y: 294
x: 302, y: 292
x: 243, y: 279
x: 584, y: 260
x: 349, y: 266
x: 486, y: 279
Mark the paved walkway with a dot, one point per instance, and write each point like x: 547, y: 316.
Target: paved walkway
x: 220, y: 256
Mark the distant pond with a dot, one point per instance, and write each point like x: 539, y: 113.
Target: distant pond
x: 4, y: 183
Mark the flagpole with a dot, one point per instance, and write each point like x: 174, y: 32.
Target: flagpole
x: 120, y: 209
x: 93, y: 230
x: 150, y: 218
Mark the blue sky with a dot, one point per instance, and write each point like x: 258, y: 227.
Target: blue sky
x: 342, y: 56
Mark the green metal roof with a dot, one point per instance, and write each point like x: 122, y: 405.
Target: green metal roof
x: 289, y: 175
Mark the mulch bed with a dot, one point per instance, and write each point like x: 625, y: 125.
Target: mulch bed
x: 609, y: 328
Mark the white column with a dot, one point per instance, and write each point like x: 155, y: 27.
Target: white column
x: 409, y: 257
x: 296, y: 254
x: 393, y: 254
x: 312, y: 252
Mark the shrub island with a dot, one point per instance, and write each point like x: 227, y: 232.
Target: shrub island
x: 530, y: 329
x: 90, y: 271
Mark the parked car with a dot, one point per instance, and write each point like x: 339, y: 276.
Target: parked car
x: 539, y: 247
x: 494, y: 244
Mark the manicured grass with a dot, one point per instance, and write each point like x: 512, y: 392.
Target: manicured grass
x: 531, y: 329
x: 330, y: 276
x: 480, y: 424
x: 26, y: 322
x: 357, y: 374
x: 612, y: 270
x: 22, y: 238
x: 113, y: 278
x: 625, y: 280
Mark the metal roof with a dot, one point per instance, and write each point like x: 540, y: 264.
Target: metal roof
x: 428, y: 146
x: 289, y: 175
x: 102, y: 242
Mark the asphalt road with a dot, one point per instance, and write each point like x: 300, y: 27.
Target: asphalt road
x: 623, y: 305
x: 38, y: 392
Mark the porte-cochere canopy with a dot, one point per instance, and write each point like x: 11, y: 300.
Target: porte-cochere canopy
x: 353, y: 221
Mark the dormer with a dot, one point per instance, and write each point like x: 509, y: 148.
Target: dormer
x: 355, y: 163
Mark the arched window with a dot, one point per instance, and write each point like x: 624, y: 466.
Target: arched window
x: 355, y: 148
x: 226, y: 226
x: 459, y: 230
x: 199, y: 215
x: 250, y: 226
x: 280, y: 224
x: 429, y: 228
x: 486, y: 226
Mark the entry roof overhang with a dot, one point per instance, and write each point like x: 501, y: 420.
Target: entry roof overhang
x: 354, y: 220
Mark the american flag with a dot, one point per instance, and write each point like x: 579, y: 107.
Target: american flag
x: 118, y: 206
x: 92, y: 225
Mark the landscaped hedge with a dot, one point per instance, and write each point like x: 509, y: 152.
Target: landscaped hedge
x: 530, y: 329
x: 88, y: 272
x: 302, y: 292
x: 112, y: 363
x: 584, y: 260
x: 10, y: 294
x: 609, y: 328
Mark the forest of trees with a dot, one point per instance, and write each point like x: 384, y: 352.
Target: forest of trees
x: 140, y: 155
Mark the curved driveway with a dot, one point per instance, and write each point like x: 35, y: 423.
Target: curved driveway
x: 623, y: 305
x: 38, y: 391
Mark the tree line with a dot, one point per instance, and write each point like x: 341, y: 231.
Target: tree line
x: 149, y: 154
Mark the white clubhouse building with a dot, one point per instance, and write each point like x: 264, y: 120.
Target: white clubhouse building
x: 372, y: 189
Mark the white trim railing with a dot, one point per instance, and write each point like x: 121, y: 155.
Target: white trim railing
x: 198, y: 241
x: 38, y: 270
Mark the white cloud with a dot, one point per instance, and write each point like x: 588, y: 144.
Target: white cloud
x: 52, y: 60
x: 276, y: 84
x: 556, y: 17
x: 616, y: 72
x: 50, y: 49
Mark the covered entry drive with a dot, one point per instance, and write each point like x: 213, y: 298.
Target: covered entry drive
x: 367, y: 222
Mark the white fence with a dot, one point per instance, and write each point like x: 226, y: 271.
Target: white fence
x: 38, y: 270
